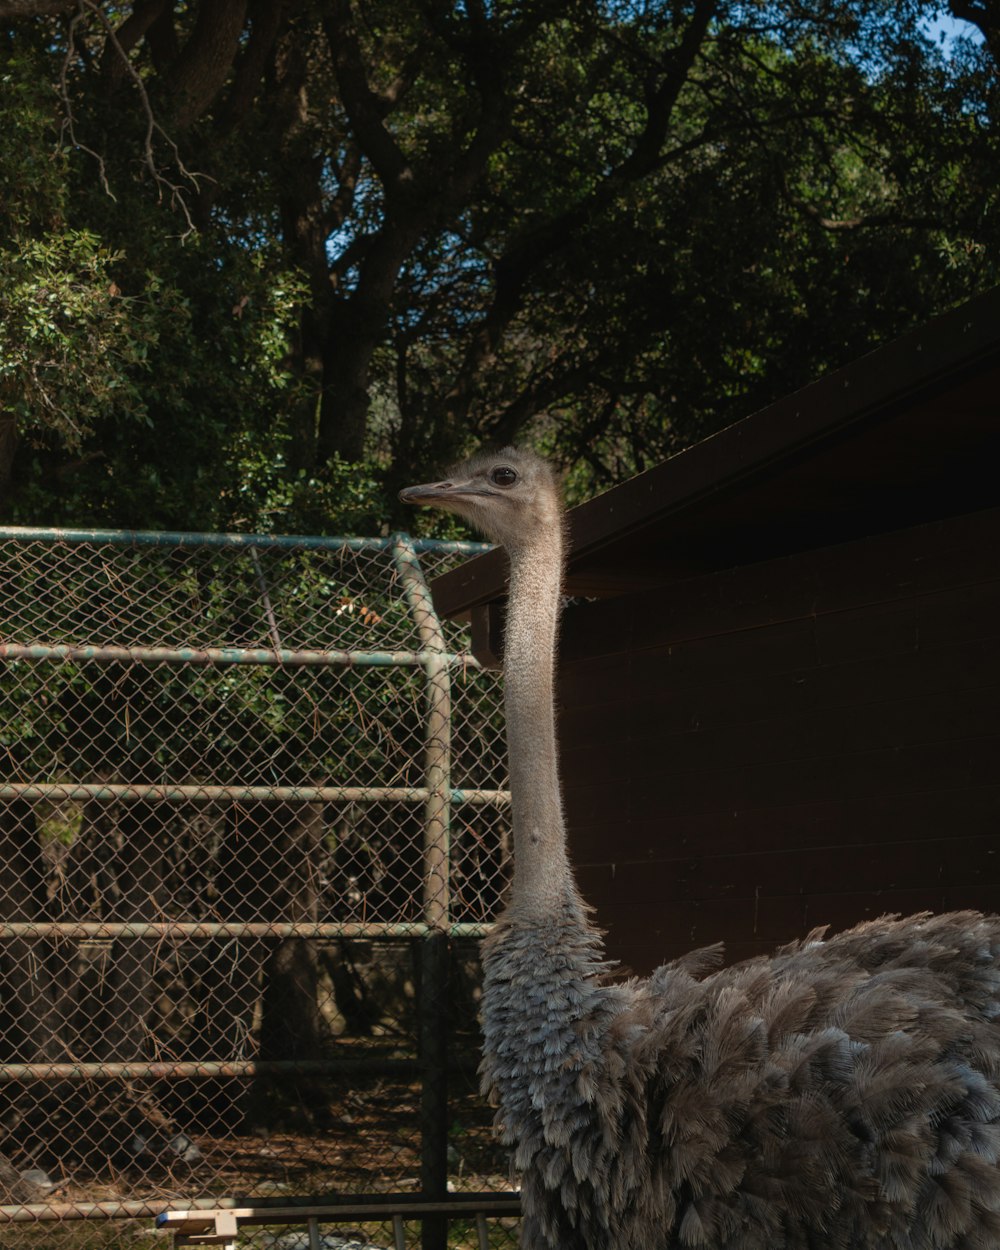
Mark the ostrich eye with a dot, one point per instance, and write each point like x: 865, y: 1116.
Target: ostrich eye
x: 503, y: 476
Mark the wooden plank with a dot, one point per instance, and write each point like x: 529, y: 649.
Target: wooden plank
x: 938, y: 765
x: 779, y: 921
x: 843, y: 911
x: 595, y: 683
x: 940, y: 863
x: 642, y: 959
x: 925, y: 560
x: 204, y: 1220
x: 645, y: 935
x: 622, y: 752
x: 870, y: 632
x: 680, y: 783
x: 984, y: 897
x: 910, y: 817
x: 681, y: 739
x: 688, y: 923
x: 712, y: 682
x: 602, y: 805
x: 960, y: 614
x: 782, y: 648
x: 859, y: 683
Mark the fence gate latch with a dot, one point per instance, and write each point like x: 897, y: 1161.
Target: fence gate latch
x: 201, y: 1228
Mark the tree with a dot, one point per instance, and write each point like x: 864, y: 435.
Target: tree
x: 355, y: 231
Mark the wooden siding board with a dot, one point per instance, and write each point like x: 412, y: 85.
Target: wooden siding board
x: 960, y: 614
x: 601, y: 804
x: 823, y: 754
x: 644, y: 935
x: 752, y: 681
x: 817, y: 732
x: 783, y: 919
x: 914, y: 817
x: 675, y: 790
x: 688, y: 923
x: 944, y: 863
x: 925, y: 560
x: 984, y: 896
x: 957, y: 763
x: 785, y: 647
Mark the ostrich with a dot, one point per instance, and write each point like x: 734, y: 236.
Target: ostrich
x: 842, y: 1093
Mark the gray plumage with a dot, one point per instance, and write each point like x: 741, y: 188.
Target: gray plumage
x: 840, y: 1094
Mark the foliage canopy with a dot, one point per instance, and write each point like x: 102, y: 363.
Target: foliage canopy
x: 262, y: 262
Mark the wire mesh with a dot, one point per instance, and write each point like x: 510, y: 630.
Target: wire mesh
x: 232, y: 832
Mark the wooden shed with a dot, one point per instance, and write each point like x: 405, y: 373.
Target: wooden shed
x: 779, y: 688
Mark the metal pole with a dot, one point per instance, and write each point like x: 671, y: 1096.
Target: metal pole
x: 106, y: 792
x: 197, y: 930
x: 435, y: 947
x: 265, y: 1210
x: 199, y: 1069
x: 21, y: 534
x: 64, y: 653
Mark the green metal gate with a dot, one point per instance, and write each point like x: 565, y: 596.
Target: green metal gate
x: 252, y: 824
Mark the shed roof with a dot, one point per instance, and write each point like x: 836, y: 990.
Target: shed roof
x: 907, y: 433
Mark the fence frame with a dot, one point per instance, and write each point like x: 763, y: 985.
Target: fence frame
x: 434, y: 932
x: 221, y: 1226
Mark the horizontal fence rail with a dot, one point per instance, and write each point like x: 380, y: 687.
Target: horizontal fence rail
x: 492, y: 1203
x: 229, y: 655
x: 221, y: 1227
x: 205, y: 1069
x: 187, y: 930
x: 145, y: 791
x: 180, y: 540
x: 253, y: 817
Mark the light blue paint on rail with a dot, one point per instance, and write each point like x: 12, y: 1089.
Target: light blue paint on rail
x: 261, y: 542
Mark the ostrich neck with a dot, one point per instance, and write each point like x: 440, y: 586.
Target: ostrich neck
x: 542, y: 876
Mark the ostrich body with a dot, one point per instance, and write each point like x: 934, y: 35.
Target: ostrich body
x: 840, y: 1094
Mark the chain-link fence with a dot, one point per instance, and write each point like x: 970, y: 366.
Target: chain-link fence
x: 252, y: 824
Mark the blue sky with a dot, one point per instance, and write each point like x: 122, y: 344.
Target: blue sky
x: 950, y: 28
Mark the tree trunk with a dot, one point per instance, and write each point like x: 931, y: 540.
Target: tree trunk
x: 135, y: 869
x: 356, y: 328
x: 247, y: 880
x: 8, y: 447
x: 30, y: 1016
x: 291, y: 1023
x: 27, y: 1032
x: 205, y: 62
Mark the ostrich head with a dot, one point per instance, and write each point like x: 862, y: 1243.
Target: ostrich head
x: 510, y: 495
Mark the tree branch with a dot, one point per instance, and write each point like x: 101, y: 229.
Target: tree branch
x: 15, y: 10
x: 661, y: 99
x: 347, y: 183
x: 265, y: 21
x: 363, y: 107
x: 161, y: 39
x: 863, y: 221
x: 68, y: 126
x: 206, y: 60
x: 537, y: 243
x: 153, y: 127
x: 128, y: 35
x: 985, y: 16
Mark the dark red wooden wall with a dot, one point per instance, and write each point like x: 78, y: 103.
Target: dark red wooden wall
x: 804, y: 741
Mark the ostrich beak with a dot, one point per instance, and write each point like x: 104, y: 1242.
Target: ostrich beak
x: 427, y: 493
x: 440, y: 493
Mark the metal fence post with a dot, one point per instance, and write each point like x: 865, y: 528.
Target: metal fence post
x: 435, y: 952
